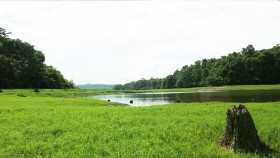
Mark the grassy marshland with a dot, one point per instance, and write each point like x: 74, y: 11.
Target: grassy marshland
x: 43, y: 126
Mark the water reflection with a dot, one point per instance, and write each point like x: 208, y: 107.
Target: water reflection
x: 146, y: 99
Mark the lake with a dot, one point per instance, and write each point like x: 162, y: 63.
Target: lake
x: 147, y: 99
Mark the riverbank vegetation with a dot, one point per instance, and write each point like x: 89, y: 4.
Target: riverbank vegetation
x: 69, y: 93
x: 37, y: 126
x: 252, y: 87
x: 248, y: 66
x: 21, y: 66
x: 88, y: 92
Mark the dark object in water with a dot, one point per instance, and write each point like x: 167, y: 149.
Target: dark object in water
x: 21, y: 95
x: 131, y: 101
x: 36, y: 90
x: 241, y: 134
x: 1, y: 91
x: 108, y: 100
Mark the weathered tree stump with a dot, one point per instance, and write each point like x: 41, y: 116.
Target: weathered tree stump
x: 241, y: 134
x: 36, y: 90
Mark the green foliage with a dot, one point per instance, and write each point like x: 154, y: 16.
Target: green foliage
x: 52, y: 78
x: 248, y: 51
x: 141, y: 85
x: 76, y: 127
x: 169, y: 82
x: 9, y: 70
x: 21, y: 66
x: 4, y: 33
x: 117, y: 87
x: 246, y: 67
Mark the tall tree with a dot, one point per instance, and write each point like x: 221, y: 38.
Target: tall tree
x: 248, y: 66
x: 21, y: 66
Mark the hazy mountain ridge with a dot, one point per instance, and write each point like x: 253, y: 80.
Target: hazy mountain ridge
x: 96, y: 86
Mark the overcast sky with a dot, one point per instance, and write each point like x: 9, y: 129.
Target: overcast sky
x: 120, y: 41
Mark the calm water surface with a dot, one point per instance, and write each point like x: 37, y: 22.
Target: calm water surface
x: 147, y: 99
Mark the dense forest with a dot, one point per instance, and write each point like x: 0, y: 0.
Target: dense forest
x: 21, y: 66
x: 249, y: 66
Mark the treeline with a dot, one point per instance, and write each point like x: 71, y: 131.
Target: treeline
x: 21, y: 66
x: 246, y: 67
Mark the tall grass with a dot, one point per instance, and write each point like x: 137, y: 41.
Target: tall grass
x: 79, y: 127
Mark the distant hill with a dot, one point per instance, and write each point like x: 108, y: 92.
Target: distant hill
x: 96, y: 86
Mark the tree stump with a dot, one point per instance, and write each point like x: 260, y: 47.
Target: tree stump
x: 241, y: 134
x: 1, y: 91
x: 36, y: 90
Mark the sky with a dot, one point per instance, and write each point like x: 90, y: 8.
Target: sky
x: 115, y: 42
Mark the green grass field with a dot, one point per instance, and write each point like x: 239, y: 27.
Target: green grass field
x: 58, y: 92
x: 42, y: 126
x: 253, y: 87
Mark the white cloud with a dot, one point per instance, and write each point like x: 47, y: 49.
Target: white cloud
x: 117, y: 42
